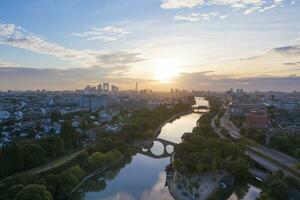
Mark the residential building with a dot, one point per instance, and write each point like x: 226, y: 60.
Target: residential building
x: 93, y: 102
x: 257, y: 119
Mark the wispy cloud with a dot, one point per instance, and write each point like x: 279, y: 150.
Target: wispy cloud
x: 209, y: 81
x: 247, y: 6
x: 196, y: 16
x: 174, y: 4
x: 106, y: 34
x: 291, y: 50
x: 15, y: 36
x: 8, y: 64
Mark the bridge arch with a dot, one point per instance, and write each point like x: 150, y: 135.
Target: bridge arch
x: 146, y: 146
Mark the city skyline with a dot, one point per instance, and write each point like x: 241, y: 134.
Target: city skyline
x: 188, y: 44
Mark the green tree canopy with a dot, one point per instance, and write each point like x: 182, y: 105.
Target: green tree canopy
x: 34, y: 192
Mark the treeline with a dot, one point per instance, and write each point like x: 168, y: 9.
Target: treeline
x: 26, y: 154
x: 203, y: 151
x: 289, y: 144
x: 257, y: 135
x: 59, y: 182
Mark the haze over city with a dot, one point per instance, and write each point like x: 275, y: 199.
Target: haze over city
x: 161, y: 44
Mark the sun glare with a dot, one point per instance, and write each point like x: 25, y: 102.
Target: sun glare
x: 166, y: 70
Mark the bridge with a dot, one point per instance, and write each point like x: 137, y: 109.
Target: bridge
x: 268, y: 165
x: 200, y: 109
x: 260, y: 174
x: 146, y: 146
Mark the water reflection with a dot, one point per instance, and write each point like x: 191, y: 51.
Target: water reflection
x: 157, y: 148
x: 173, y: 131
x: 144, y: 177
x: 246, y: 191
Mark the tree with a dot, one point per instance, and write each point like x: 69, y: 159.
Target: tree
x: 55, y: 116
x: 13, y: 190
x: 292, y: 182
x: 279, y: 190
x: 68, y: 134
x: 239, y: 168
x: 214, y: 165
x: 104, y: 145
x: 33, y: 154
x: 52, y: 145
x: 98, y: 159
x: 34, y: 191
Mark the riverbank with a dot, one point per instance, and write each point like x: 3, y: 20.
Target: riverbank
x: 95, y: 173
x: 171, y: 119
x: 200, y: 187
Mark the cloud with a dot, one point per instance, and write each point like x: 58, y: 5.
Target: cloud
x: 291, y: 50
x: 283, y: 75
x: 223, y: 16
x: 106, y: 34
x: 15, y: 36
x: 175, y: 4
x: 196, y: 16
x: 205, y: 81
x: 8, y: 64
x: 26, y: 78
x: 247, y: 6
x: 292, y: 63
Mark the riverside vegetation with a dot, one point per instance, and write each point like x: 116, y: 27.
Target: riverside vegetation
x: 203, y: 151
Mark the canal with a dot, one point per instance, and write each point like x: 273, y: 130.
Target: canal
x: 143, y: 178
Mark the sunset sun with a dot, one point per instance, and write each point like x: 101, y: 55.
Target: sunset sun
x: 166, y: 70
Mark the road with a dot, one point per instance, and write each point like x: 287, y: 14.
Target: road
x: 216, y: 129
x: 286, y: 160
x: 227, y: 124
x: 283, y: 159
x: 270, y: 166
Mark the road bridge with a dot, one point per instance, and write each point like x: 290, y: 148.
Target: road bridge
x: 268, y: 165
x: 262, y: 175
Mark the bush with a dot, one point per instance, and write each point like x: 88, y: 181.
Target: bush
x: 36, y: 192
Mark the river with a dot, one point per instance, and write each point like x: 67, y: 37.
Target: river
x: 143, y: 178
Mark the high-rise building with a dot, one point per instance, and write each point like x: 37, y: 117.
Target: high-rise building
x: 93, y: 102
x: 106, y: 87
x: 99, y: 87
x: 136, y: 86
x: 114, y: 88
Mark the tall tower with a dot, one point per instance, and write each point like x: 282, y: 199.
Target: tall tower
x: 136, y: 86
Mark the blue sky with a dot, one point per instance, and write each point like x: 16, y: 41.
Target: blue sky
x: 157, y: 42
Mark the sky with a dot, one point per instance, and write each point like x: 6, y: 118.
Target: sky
x: 161, y: 44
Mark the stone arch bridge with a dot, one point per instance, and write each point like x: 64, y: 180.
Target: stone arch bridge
x: 145, y: 147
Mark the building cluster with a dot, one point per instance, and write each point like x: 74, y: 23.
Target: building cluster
x: 101, y: 88
x: 31, y: 113
x: 25, y: 114
x: 275, y: 112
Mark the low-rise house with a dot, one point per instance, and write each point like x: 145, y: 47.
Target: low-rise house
x: 4, y: 115
x: 257, y: 119
x: 240, y: 109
